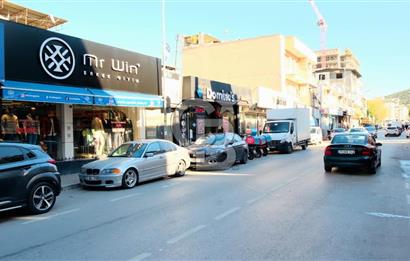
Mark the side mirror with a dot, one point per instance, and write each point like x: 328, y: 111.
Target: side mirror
x: 378, y: 144
x: 149, y: 155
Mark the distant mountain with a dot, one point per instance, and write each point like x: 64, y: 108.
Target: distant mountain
x: 404, y: 97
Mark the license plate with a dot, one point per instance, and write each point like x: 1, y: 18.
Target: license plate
x: 346, y: 152
x: 91, y: 178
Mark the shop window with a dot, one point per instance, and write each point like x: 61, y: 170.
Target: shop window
x: 100, y: 130
x: 33, y: 123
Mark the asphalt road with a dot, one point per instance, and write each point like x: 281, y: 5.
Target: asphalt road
x: 281, y: 207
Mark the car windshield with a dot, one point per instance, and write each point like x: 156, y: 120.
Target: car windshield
x: 356, y: 130
x: 349, y: 139
x: 129, y: 150
x: 312, y: 130
x: 370, y: 128
x: 339, y: 130
x: 211, y: 139
x: 276, y: 127
x: 391, y: 128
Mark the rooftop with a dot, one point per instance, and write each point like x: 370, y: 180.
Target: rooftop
x: 23, y: 15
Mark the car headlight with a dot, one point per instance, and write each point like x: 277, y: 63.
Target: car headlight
x: 110, y: 171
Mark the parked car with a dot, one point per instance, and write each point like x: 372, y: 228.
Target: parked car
x: 218, y: 151
x: 134, y: 162
x: 316, y: 136
x: 393, y: 131
x: 358, y: 150
x: 28, y: 178
x: 336, y: 131
x: 408, y: 132
x: 371, y: 130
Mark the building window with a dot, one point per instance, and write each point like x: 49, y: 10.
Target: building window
x: 319, y: 59
x: 322, y: 77
x: 318, y: 66
x: 339, y: 75
x: 343, y: 65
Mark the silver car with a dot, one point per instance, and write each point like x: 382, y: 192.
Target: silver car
x: 135, y: 162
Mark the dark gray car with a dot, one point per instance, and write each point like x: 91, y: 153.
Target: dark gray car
x: 28, y: 178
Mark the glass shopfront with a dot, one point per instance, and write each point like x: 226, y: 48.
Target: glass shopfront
x: 33, y: 123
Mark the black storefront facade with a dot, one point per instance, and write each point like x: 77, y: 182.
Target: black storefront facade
x: 207, y: 107
x: 76, y: 98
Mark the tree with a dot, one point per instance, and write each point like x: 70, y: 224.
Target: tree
x: 378, y: 109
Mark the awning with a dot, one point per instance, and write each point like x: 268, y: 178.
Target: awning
x: 126, y: 99
x: 33, y: 92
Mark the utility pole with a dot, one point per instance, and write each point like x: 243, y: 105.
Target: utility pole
x: 163, y: 66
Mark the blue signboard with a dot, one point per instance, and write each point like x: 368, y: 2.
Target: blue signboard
x: 19, y: 91
x: 126, y: 99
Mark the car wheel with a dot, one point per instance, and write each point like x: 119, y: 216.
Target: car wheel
x: 328, y: 168
x: 244, y: 157
x: 289, y: 148
x: 265, y: 152
x: 181, y: 169
x: 41, y: 198
x: 129, y: 178
x: 304, y: 146
x: 372, y: 169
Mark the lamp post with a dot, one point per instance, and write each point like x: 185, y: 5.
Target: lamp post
x: 163, y: 67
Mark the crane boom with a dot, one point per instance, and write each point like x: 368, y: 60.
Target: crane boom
x: 321, y: 22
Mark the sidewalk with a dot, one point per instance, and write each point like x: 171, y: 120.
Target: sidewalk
x: 70, y: 181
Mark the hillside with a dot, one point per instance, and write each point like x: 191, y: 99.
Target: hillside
x: 404, y: 97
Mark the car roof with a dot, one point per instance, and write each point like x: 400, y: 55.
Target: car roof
x: 21, y: 145
x: 145, y: 141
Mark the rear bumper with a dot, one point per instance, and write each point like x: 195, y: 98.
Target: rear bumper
x: 101, y: 180
x: 357, y: 162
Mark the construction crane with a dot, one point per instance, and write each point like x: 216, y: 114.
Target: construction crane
x: 321, y: 23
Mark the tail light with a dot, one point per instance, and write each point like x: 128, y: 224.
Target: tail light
x: 250, y: 140
x: 367, y: 152
x: 328, y: 151
x: 52, y: 161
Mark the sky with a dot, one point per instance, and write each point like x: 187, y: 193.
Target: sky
x: 377, y: 31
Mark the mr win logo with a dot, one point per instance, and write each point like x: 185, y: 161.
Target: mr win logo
x: 57, y: 58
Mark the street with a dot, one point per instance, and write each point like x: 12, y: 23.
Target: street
x: 279, y: 207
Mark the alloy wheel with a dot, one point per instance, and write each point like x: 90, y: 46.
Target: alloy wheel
x: 181, y: 168
x: 43, y: 198
x: 130, y: 178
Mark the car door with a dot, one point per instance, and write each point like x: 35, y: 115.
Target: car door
x: 13, y: 168
x: 239, y: 147
x: 171, y: 157
x: 154, y: 163
x: 293, y: 132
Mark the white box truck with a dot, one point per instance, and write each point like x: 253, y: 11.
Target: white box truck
x: 287, y: 128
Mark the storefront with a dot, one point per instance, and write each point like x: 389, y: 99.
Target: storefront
x: 207, y: 107
x: 75, y: 98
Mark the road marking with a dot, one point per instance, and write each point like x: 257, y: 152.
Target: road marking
x: 51, y: 216
x: 386, y: 215
x: 125, y: 197
x: 141, y: 257
x: 171, y: 185
x: 251, y: 201
x: 227, y: 213
x: 185, y: 234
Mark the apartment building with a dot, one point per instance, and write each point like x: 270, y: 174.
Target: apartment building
x: 341, y: 94
x: 396, y: 110
x: 277, y: 69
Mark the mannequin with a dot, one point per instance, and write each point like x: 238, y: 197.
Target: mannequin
x: 50, y: 129
x: 9, y: 125
x: 106, y: 122
x: 98, y: 135
x: 30, y: 130
x: 118, y: 131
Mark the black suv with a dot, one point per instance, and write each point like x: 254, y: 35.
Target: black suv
x: 28, y: 178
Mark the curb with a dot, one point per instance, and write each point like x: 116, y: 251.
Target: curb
x: 71, y: 186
